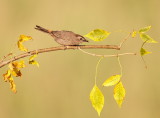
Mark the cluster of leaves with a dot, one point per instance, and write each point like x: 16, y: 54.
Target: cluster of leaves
x: 145, y: 38
x: 96, y: 96
x: 14, y: 68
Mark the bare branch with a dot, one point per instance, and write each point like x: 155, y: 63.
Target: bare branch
x: 5, y: 57
x: 126, y: 38
x: 98, y: 55
x: 5, y: 62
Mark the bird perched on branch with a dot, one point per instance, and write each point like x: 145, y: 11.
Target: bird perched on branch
x: 64, y: 37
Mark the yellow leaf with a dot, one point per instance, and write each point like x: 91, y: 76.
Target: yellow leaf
x: 112, y: 80
x: 18, y: 64
x: 147, y: 38
x: 97, y: 99
x: 98, y: 35
x: 144, y: 52
x: 14, y: 67
x: 145, y: 29
x: 7, y: 75
x: 32, y: 57
x: 16, y: 72
x: 119, y: 93
x: 13, y: 86
x: 134, y: 33
x: 23, y: 38
x: 21, y: 64
x: 11, y: 66
x: 33, y: 62
x: 21, y: 46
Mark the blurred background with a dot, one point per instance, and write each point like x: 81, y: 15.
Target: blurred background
x: 60, y: 87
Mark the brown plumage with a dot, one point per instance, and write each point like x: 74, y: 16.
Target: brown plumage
x: 64, y: 37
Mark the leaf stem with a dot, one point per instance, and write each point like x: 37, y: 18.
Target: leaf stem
x: 120, y: 65
x: 126, y: 38
x: 97, y: 69
x: 142, y: 56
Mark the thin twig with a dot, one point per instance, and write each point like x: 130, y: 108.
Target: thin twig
x: 126, y: 38
x: 120, y: 65
x: 5, y: 57
x: 98, y: 55
x: 3, y: 63
x: 145, y: 64
x: 97, y: 69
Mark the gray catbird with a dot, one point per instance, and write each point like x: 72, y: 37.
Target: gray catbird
x: 64, y: 37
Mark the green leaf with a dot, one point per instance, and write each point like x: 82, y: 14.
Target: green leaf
x: 112, y: 80
x: 119, y: 93
x: 98, y: 35
x: 147, y: 38
x: 144, y: 52
x: 145, y: 29
x: 97, y: 99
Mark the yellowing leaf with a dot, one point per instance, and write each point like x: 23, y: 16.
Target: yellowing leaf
x: 98, y: 35
x: 112, y: 80
x: 32, y: 57
x: 10, y: 66
x: 7, y: 75
x: 21, y: 46
x: 145, y: 29
x: 21, y: 64
x: 97, y: 99
x: 16, y: 64
x: 144, y: 52
x: 119, y: 93
x: 16, y: 72
x: 32, y: 61
x: 14, y: 67
x: 134, y: 33
x: 8, y: 78
x: 23, y: 38
x: 147, y: 38
x: 12, y: 85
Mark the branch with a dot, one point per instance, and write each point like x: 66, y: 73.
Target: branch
x: 98, y: 55
x: 5, y: 62
x: 125, y: 39
x: 5, y: 57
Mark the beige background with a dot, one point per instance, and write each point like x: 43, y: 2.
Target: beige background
x: 60, y: 87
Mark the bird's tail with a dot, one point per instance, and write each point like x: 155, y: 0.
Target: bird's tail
x: 42, y: 29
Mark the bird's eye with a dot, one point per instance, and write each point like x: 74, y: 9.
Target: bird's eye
x: 81, y: 38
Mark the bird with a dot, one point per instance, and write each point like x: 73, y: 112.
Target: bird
x: 63, y: 37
